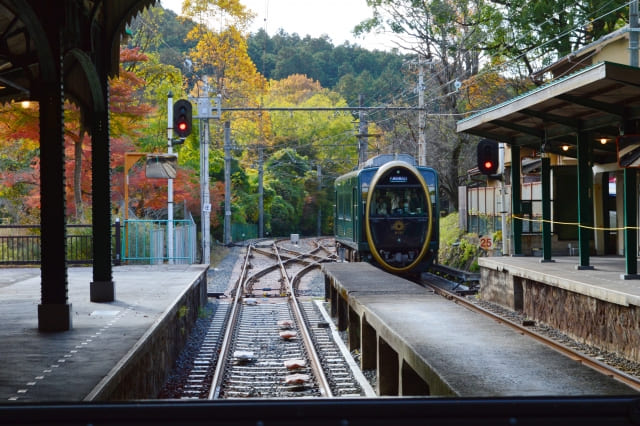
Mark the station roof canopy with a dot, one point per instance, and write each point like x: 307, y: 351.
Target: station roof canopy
x: 23, y: 42
x: 597, y: 100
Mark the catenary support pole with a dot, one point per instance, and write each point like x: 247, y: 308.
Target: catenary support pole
x: 227, y: 182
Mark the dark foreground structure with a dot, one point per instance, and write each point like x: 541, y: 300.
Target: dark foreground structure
x: 68, y: 49
x: 450, y: 412
x: 51, y: 52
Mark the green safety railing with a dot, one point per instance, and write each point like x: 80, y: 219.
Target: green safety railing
x: 146, y: 241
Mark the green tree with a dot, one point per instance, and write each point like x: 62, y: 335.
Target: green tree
x: 285, y: 174
x: 159, y: 31
x: 534, y: 34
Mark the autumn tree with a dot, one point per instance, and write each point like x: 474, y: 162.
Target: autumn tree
x: 19, y: 163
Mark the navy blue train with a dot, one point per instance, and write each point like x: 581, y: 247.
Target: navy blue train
x: 387, y: 214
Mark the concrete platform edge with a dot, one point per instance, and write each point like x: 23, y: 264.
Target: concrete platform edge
x: 409, y: 354
x: 564, y: 282
x: 141, y: 373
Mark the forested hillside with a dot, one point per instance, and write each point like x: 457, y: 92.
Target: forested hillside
x: 349, y: 69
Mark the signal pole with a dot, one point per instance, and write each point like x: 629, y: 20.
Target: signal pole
x: 170, y: 181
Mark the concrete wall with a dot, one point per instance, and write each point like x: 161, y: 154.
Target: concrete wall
x: 144, y: 370
x: 399, y: 370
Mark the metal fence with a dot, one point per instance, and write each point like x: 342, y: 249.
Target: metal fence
x: 145, y: 241
x: 483, y: 207
x: 20, y: 245
x: 134, y: 241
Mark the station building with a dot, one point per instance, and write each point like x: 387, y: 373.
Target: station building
x: 565, y: 136
x: 570, y: 202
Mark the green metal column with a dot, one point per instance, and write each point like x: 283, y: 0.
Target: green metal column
x: 585, y: 200
x: 516, y: 202
x: 546, y: 210
x: 630, y: 224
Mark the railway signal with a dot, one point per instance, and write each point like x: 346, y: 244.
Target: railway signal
x: 488, y: 158
x: 182, y: 118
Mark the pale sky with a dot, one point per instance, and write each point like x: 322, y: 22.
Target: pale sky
x: 336, y: 18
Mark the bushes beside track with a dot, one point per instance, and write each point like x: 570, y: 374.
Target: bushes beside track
x: 457, y: 248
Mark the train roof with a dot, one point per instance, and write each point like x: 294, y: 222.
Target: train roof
x: 378, y: 161
x: 382, y: 159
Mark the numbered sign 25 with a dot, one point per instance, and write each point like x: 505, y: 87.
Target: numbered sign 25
x: 486, y: 242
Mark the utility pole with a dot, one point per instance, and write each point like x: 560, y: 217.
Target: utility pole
x: 633, y: 35
x: 260, y: 191
x: 422, y: 119
x: 227, y: 182
x: 204, y: 114
x: 319, y: 228
x: 363, y: 141
x: 169, y: 181
x: 205, y: 202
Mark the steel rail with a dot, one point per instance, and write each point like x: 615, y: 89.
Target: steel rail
x: 600, y: 367
x: 218, y: 376
x: 315, y: 363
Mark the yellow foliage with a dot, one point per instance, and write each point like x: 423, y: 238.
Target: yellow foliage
x: 294, y: 89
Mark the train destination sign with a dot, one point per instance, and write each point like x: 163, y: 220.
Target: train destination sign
x: 398, y: 179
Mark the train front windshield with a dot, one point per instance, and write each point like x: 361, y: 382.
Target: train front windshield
x: 398, y: 202
x: 399, y: 217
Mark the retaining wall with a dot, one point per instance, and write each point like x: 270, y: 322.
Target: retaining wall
x: 604, y: 324
x: 144, y: 370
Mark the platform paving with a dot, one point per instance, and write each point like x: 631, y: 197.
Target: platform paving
x: 471, y: 355
x: 73, y: 365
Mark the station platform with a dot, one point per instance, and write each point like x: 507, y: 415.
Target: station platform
x: 115, y: 351
x: 423, y: 344
x: 597, y: 306
x: 605, y: 281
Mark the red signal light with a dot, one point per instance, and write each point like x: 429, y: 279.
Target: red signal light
x: 488, y: 159
x: 182, y: 118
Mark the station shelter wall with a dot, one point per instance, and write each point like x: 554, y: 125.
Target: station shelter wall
x: 481, y: 211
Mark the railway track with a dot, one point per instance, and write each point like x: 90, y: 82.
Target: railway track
x: 435, y: 283
x: 276, y: 344
x: 267, y: 354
